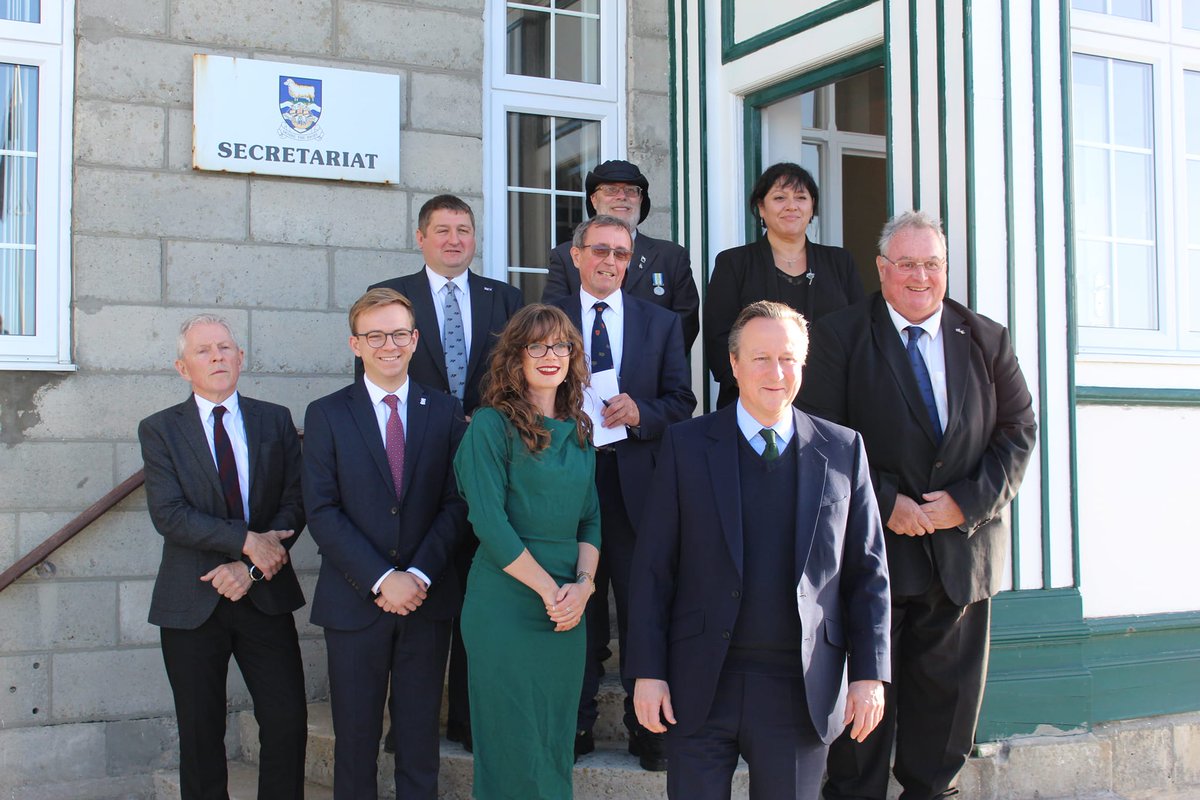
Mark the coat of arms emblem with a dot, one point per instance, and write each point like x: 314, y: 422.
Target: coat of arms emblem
x: 300, y: 106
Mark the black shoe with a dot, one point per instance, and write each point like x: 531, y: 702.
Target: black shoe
x: 389, y: 741
x: 584, y: 743
x: 460, y: 732
x: 650, y: 748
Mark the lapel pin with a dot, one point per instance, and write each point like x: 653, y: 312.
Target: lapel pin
x: 487, y: 288
x: 422, y: 401
x: 961, y: 331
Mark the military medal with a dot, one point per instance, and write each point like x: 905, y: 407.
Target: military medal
x: 657, y: 280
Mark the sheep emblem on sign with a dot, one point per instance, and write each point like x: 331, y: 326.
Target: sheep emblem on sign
x: 300, y: 105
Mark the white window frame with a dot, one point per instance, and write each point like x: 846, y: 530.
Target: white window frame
x: 504, y: 93
x: 1161, y: 46
x: 48, y: 45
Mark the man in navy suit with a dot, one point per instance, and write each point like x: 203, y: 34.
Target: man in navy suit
x: 384, y: 509
x: 223, y: 489
x: 938, y: 396
x: 759, y: 594
x: 660, y: 271
x: 642, y: 343
x: 446, y: 288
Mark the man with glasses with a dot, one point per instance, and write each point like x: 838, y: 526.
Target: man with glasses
x: 384, y: 509
x: 659, y: 271
x: 642, y: 345
x: 936, y: 392
x: 461, y: 313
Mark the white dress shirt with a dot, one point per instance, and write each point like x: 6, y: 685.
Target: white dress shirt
x: 933, y: 350
x: 752, y: 429
x: 437, y: 287
x: 614, y: 323
x: 235, y: 426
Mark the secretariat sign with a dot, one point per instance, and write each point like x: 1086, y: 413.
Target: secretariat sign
x: 268, y: 118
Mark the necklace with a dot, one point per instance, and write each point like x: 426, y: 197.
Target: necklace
x: 787, y: 261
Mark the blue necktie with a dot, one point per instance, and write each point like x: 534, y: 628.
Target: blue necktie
x: 601, y: 350
x: 923, y: 381
x: 454, y: 343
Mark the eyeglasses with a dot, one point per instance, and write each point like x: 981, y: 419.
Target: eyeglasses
x: 560, y: 349
x: 603, y: 251
x: 618, y: 189
x: 905, y: 265
x: 376, y: 339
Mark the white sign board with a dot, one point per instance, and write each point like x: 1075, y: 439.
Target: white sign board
x: 269, y: 118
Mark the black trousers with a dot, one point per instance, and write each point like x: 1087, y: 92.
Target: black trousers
x: 939, y: 666
x: 408, y: 654
x: 765, y: 720
x: 616, y: 559
x: 268, y: 654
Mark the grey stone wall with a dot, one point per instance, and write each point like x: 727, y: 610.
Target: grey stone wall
x: 83, y: 695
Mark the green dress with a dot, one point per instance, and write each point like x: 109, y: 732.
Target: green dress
x: 525, y: 679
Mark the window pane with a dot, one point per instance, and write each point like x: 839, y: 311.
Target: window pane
x: 1191, y: 15
x: 569, y: 212
x: 528, y: 240
x: 860, y: 103
x: 586, y: 6
x: 1088, y: 5
x: 528, y: 43
x: 18, y: 198
x: 1093, y: 269
x: 1194, y: 290
x: 1133, y: 109
x: 1091, y: 190
x: 1134, y: 191
x: 1089, y: 98
x: 1191, y: 85
x: 1133, y: 9
x: 1193, y: 196
x: 528, y: 150
x: 21, y: 10
x: 1136, y: 287
x: 577, y: 48
x: 578, y: 150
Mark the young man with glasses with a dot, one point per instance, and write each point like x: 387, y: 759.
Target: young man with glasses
x: 643, y: 345
x: 384, y: 510
x: 658, y: 271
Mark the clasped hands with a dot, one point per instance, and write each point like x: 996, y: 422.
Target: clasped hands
x: 232, y: 580
x: 938, y: 512
x: 565, y: 607
x: 401, y: 593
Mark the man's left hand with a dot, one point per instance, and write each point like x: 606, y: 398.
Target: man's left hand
x: 231, y: 580
x: 942, y: 510
x: 864, y: 708
x: 621, y: 410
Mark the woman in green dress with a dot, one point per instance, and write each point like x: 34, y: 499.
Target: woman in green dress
x: 527, y: 471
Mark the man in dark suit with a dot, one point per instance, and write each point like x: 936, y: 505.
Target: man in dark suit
x: 384, y: 510
x: 642, y: 343
x: 759, y: 582
x: 453, y: 360
x: 223, y: 489
x: 936, y: 392
x: 659, y: 272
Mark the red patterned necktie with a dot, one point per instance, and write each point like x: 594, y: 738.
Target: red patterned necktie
x: 394, y: 443
x: 227, y: 467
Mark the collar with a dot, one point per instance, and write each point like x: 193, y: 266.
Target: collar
x: 206, y: 406
x: 615, y: 302
x: 750, y: 427
x: 377, y: 394
x: 438, y: 282
x: 932, y: 326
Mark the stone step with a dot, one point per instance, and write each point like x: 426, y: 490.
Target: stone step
x: 243, y: 784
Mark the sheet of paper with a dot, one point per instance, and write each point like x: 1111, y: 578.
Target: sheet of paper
x: 604, y: 386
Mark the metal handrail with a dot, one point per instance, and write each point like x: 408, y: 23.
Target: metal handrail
x: 67, y: 532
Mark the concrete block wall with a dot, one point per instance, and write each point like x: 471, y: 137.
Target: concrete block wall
x: 83, y: 695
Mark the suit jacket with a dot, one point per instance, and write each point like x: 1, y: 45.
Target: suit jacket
x: 354, y: 516
x: 686, y: 584
x: 650, y: 257
x: 492, y: 304
x: 654, y: 372
x: 858, y: 375
x: 187, y: 506
x: 747, y: 274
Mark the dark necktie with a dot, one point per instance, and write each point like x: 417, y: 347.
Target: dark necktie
x: 227, y: 467
x: 454, y: 343
x: 771, y: 452
x: 601, y: 351
x: 923, y: 381
x: 394, y: 443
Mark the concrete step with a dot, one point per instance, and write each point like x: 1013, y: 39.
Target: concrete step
x: 243, y: 784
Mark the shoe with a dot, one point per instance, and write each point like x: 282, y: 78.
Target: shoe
x: 650, y: 748
x: 460, y: 732
x: 389, y: 741
x: 584, y: 743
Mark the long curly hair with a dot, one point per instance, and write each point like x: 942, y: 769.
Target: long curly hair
x: 504, y: 388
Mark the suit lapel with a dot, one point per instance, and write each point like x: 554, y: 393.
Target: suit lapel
x: 887, y: 342
x: 956, y: 344
x: 414, y: 433
x: 363, y: 414
x: 482, y: 299
x: 810, y: 486
x: 642, y: 263
x: 634, y: 330
x: 193, y: 433
x: 725, y: 480
x: 426, y: 318
x: 252, y: 420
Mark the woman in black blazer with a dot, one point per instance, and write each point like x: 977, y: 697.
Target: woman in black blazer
x: 783, y: 266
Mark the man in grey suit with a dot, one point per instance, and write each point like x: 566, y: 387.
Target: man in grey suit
x: 223, y: 489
